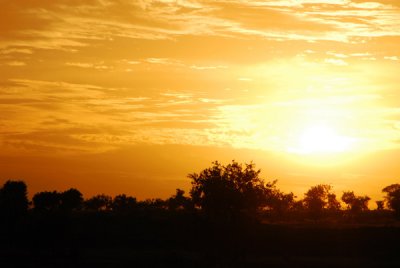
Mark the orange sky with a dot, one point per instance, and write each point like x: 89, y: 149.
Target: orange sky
x: 130, y: 96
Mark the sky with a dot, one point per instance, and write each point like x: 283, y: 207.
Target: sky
x: 123, y: 96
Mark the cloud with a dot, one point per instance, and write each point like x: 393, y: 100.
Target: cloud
x: 127, y: 72
x: 16, y: 51
x: 338, y: 62
x: 73, y: 25
x: 16, y: 63
x: 46, y: 116
x: 394, y: 58
x: 97, y: 66
x: 212, y: 67
x: 164, y: 61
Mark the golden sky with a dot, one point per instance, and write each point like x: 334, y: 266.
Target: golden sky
x: 130, y: 96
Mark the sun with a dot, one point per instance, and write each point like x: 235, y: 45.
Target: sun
x: 320, y: 139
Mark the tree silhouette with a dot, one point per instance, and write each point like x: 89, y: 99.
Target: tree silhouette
x: 318, y: 198
x: 333, y: 204
x: 46, y: 201
x: 71, y: 200
x: 355, y: 203
x: 280, y: 202
x: 153, y: 204
x: 380, y: 204
x: 178, y: 201
x: 392, y: 197
x: 13, y: 200
x: 123, y: 203
x: 99, y: 202
x: 226, y: 191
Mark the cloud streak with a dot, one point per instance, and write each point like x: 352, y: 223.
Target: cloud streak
x: 101, y: 74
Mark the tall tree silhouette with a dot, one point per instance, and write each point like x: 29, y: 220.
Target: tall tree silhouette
x: 13, y: 201
x: 392, y: 197
x: 380, y: 204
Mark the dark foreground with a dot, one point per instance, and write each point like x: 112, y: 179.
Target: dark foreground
x: 106, y: 240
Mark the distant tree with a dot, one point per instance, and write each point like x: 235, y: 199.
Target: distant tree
x: 99, y: 202
x: 355, y: 203
x: 392, y: 197
x: 380, y: 204
x: 178, y: 201
x: 13, y: 200
x: 153, y: 204
x: 298, y: 206
x: 158, y: 203
x: 71, y: 200
x: 278, y: 202
x: 318, y: 199
x: 123, y: 203
x: 333, y: 204
x: 46, y: 201
x: 227, y: 191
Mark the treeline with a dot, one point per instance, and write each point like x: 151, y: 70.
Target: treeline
x: 230, y: 217
x: 227, y: 193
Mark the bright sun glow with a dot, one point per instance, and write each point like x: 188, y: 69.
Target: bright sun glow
x: 321, y: 139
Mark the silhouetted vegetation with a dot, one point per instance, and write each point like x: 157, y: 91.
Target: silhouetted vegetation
x: 355, y: 203
x: 53, y: 201
x: 319, y: 199
x: 231, y: 218
x: 227, y: 192
x: 99, y: 202
x: 393, y: 197
x: 13, y: 202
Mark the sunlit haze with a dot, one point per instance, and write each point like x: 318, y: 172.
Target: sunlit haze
x: 131, y: 96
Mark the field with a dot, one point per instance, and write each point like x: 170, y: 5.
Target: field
x: 107, y: 240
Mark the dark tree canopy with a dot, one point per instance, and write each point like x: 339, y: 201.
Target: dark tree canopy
x: 224, y: 191
x: 178, y: 201
x: 232, y: 193
x: 99, y: 202
x: 46, y: 201
x: 333, y: 203
x: 392, y: 197
x: 279, y: 202
x: 13, y: 200
x: 380, y: 204
x: 71, y: 199
x: 355, y: 203
x: 123, y: 203
x: 319, y: 198
x: 52, y: 201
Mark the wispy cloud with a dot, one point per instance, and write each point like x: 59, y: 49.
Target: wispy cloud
x: 96, y: 74
x: 39, y: 25
x: 16, y: 63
